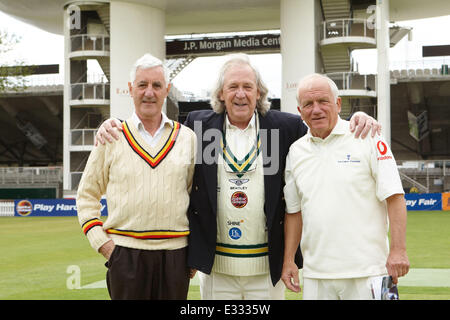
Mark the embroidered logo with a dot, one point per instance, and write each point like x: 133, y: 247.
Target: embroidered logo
x: 348, y: 159
x: 235, y: 233
x: 235, y: 223
x: 239, y: 199
x: 381, y: 146
x: 239, y: 182
x: 382, y: 149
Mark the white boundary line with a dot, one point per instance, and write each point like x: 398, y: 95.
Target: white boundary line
x: 414, y: 278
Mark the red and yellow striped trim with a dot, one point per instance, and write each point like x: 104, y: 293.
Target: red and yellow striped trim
x: 149, y: 235
x: 153, y: 161
x: 88, y: 225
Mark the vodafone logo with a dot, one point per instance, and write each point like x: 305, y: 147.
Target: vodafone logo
x: 381, y: 146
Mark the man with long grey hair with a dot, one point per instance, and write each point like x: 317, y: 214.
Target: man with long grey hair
x: 236, y: 209
x: 218, y: 105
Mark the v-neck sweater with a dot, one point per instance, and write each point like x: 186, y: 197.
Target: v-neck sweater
x: 147, y: 190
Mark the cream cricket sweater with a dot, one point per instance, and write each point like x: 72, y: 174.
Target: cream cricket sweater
x: 147, y: 190
x: 242, y: 248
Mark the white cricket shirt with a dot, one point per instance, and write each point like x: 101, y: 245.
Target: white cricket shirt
x: 340, y: 185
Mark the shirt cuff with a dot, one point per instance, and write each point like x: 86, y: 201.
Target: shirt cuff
x: 97, y: 237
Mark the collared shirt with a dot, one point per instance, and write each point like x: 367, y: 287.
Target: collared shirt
x: 339, y: 129
x: 340, y: 185
x: 240, y: 140
x: 151, y: 140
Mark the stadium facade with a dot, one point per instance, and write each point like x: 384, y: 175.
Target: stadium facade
x: 52, y: 125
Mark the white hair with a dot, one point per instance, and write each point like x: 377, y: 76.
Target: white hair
x: 333, y: 87
x: 148, y: 61
x: 262, y: 104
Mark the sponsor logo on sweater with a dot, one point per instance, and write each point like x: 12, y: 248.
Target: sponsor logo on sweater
x: 235, y: 233
x: 239, y: 182
x: 239, y: 199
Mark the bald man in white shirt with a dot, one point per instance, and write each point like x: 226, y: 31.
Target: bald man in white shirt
x: 341, y: 196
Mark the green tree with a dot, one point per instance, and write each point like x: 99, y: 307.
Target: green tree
x: 12, y: 74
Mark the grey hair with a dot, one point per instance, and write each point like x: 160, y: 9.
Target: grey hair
x: 262, y: 104
x: 148, y: 61
x: 333, y: 87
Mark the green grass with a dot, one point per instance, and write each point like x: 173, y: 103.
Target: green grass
x: 428, y: 239
x: 36, y: 252
x: 424, y: 293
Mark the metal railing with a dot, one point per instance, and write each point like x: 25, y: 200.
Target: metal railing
x: 30, y: 175
x: 420, y: 68
x: 426, y: 175
x: 353, y: 80
x: 82, y: 137
x: 425, y: 167
x: 89, y: 42
x: 347, y: 28
x: 420, y: 64
x: 44, y: 80
x: 6, y: 208
x: 95, y: 91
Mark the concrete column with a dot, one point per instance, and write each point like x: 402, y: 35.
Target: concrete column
x: 136, y: 29
x: 298, y: 47
x: 66, y: 105
x: 383, y: 77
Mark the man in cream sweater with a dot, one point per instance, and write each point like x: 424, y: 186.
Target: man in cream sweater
x: 146, y: 176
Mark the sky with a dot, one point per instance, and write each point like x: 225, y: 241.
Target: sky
x: 199, y: 75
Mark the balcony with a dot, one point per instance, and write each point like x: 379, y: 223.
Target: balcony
x: 89, y: 94
x: 338, y: 37
x: 30, y: 175
x: 82, y: 139
x: 89, y: 46
x: 354, y: 85
x: 355, y: 32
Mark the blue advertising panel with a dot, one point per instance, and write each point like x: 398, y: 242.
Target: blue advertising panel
x: 50, y: 207
x: 423, y: 201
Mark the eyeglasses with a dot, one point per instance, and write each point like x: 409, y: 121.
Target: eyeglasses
x: 389, y: 290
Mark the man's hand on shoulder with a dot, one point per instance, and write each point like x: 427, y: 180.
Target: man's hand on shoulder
x: 108, y: 130
x: 362, y: 124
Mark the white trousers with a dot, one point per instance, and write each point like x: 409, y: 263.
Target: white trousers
x: 219, y: 286
x: 368, y: 288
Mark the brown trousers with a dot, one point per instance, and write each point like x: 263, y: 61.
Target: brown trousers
x: 135, y: 274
